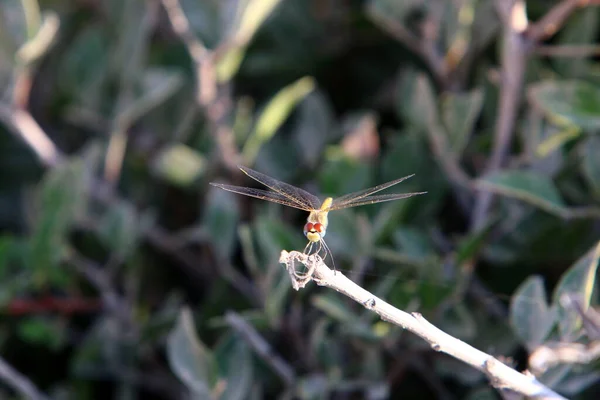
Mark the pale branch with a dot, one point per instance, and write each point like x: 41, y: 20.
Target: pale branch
x: 22, y: 124
x: 20, y: 383
x: 500, y: 375
x: 554, y: 19
x: 214, y: 100
x: 514, y: 57
x: 425, y: 49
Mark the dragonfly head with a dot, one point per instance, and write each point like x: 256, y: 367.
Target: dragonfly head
x: 314, y: 231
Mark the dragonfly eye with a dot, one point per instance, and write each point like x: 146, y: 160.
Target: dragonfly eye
x: 308, y: 227
x: 319, y: 227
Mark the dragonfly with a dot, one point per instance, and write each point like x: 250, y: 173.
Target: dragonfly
x: 317, y: 221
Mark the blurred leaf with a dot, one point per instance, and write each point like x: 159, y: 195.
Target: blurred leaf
x: 413, y: 243
x: 481, y: 394
x: 471, y: 244
x: 49, y: 332
x: 274, y: 115
x: 84, y: 68
x: 527, y: 186
x: 459, y: 113
x: 530, y: 316
x: 422, y: 110
x: 158, y: 84
x: 314, y: 125
x: 342, y: 175
x: 220, y: 220
x: 579, y: 29
x: 557, y: 140
x: 189, y: 359
x: 568, y: 102
x: 577, y: 382
x: 229, y: 64
x: 591, y: 163
x: 236, y: 368
x: 63, y: 198
x: 334, y: 307
x: 179, y: 165
x: 578, y: 281
x: 459, y: 322
x: 253, y: 16
x: 120, y: 229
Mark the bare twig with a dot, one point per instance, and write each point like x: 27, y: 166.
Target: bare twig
x: 99, y: 278
x: 425, y: 49
x: 22, y: 124
x: 19, y: 383
x: 261, y: 347
x: 513, y: 71
x: 571, y: 51
x: 500, y: 375
x: 554, y: 19
x: 548, y: 356
x: 214, y: 100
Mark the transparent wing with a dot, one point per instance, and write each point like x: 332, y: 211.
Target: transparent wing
x: 373, y: 199
x: 302, y: 199
x: 341, y: 201
x: 263, y: 195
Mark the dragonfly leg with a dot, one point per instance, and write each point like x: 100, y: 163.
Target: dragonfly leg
x: 327, y: 251
x: 308, y: 248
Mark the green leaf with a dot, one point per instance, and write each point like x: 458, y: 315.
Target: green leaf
x: 533, y: 188
x: 274, y: 115
x: 591, y: 163
x: 179, y: 165
x: 236, y: 367
x: 578, y: 281
x: 158, y: 84
x: 50, y: 332
x: 189, y: 359
x: 580, y: 28
x: 333, y: 307
x: 84, y: 68
x: 422, y: 110
x: 120, y: 229
x: 568, y: 102
x: 459, y: 113
x: 414, y: 243
x: 530, y: 316
x: 314, y: 126
x: 220, y: 220
x: 252, y: 17
x: 63, y: 198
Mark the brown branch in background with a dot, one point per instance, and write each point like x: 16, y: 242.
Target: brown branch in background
x: 554, y: 19
x: 424, y: 48
x: 261, y: 347
x: 514, y: 55
x: 571, y: 51
x: 214, y: 100
x: 19, y: 383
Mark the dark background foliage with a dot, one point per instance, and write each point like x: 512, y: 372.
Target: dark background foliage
x: 125, y: 275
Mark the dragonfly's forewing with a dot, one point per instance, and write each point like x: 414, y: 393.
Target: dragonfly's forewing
x: 341, y: 202
x: 361, y: 201
x: 275, y: 197
x: 302, y: 198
